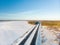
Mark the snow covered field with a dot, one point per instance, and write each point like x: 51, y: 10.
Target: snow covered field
x: 49, y: 36
x: 11, y: 30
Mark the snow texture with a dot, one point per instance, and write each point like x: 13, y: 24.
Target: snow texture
x: 12, y: 30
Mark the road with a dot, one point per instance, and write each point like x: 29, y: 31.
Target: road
x: 31, y: 37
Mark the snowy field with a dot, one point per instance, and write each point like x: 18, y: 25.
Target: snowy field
x: 49, y: 37
x: 11, y: 30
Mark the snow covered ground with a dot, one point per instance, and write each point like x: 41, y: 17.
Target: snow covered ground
x: 49, y: 37
x: 11, y: 30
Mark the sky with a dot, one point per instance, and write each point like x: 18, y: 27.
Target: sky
x: 29, y: 9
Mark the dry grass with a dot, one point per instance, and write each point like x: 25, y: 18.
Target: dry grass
x: 32, y: 22
x: 51, y: 23
x: 47, y: 23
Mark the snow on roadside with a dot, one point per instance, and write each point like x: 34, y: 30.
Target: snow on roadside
x: 11, y: 30
x: 49, y: 36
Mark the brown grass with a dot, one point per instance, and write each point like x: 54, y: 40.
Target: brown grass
x: 32, y: 22
x: 47, y: 23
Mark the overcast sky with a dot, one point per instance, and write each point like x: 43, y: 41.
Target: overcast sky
x: 30, y: 9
